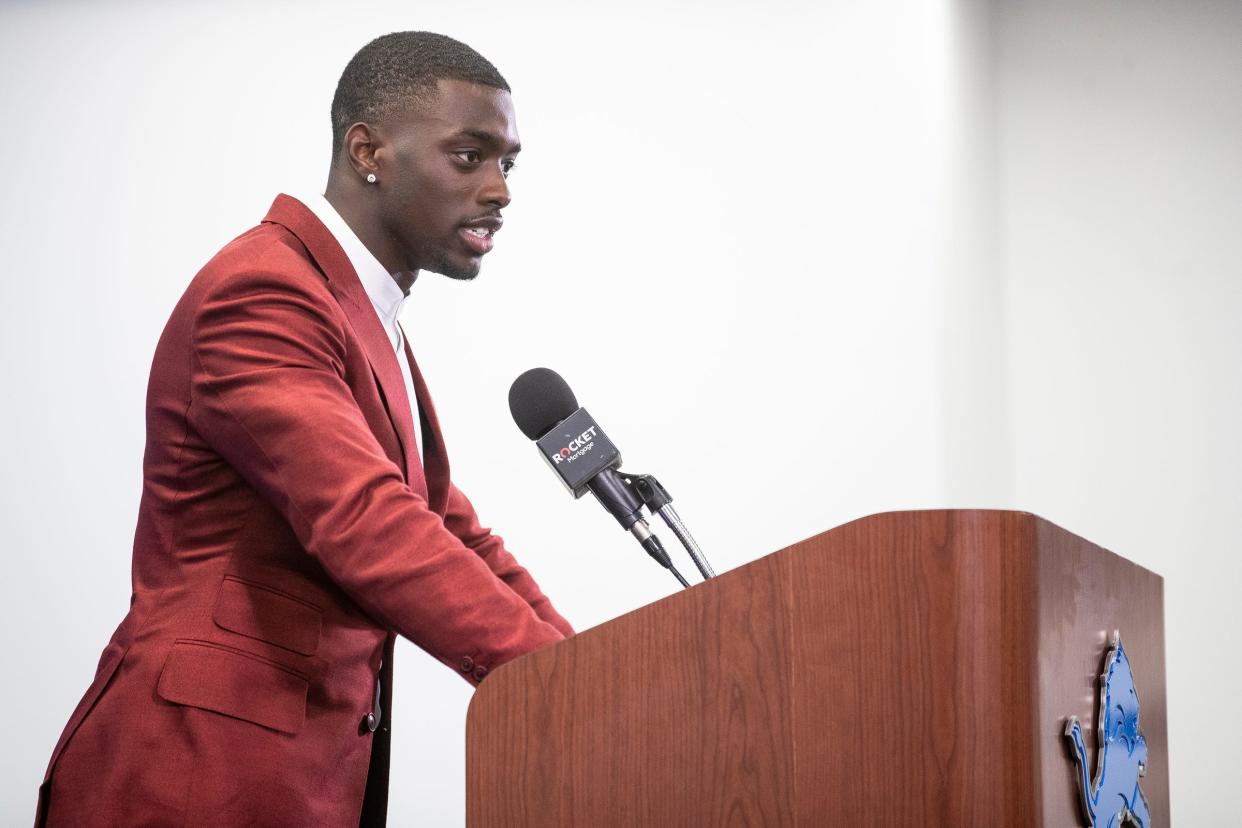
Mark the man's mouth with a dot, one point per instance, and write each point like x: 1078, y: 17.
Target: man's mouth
x: 478, y: 234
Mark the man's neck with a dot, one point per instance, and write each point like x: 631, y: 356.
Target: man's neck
x: 368, y: 230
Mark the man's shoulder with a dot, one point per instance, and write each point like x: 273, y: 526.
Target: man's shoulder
x: 266, y: 260
x: 268, y: 249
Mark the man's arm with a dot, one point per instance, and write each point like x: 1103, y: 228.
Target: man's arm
x: 268, y: 393
x: 462, y: 521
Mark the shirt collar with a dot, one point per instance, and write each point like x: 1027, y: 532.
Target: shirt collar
x: 384, y: 292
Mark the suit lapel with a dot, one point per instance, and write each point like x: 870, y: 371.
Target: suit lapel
x: 435, y: 456
x: 344, y: 283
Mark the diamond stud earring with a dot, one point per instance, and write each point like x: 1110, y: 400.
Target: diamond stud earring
x: 370, y: 178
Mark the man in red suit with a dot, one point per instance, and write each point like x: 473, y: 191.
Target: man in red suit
x: 292, y: 521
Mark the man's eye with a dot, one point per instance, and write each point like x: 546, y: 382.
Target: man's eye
x: 507, y: 166
x: 469, y: 156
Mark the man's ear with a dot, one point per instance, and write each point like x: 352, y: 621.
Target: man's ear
x: 360, y: 147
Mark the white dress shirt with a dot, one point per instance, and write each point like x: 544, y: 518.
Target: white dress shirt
x: 385, y: 294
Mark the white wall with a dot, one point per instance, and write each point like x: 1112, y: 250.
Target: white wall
x: 756, y: 191
x: 1121, y: 182
x: 976, y: 452
x: 801, y: 204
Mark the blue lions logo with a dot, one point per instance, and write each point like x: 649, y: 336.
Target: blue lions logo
x: 1114, y: 798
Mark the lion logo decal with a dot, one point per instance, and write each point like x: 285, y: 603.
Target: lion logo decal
x: 1113, y: 798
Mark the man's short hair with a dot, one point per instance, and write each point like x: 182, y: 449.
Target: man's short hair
x: 397, y: 70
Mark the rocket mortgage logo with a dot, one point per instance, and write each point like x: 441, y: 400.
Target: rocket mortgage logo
x: 576, y: 447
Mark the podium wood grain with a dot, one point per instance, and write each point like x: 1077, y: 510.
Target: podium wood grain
x: 904, y: 669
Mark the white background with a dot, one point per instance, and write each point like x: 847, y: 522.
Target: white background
x: 886, y: 255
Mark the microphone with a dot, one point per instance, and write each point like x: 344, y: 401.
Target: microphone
x: 579, y: 452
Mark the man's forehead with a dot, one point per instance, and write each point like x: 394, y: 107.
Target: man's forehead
x: 469, y: 110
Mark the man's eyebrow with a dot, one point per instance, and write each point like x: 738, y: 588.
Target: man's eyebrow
x: 490, y: 138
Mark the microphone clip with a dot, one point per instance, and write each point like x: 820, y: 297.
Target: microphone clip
x: 659, y: 502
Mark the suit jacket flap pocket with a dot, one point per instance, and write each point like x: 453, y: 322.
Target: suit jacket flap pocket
x: 269, y: 615
x: 236, y: 683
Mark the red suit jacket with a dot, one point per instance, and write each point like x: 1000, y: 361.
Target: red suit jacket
x: 286, y: 533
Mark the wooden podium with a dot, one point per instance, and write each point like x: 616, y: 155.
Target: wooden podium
x: 909, y: 668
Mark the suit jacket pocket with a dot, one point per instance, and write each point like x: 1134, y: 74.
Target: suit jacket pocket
x: 268, y: 614
x: 236, y: 683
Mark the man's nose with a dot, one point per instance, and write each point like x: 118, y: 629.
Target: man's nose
x: 495, y: 189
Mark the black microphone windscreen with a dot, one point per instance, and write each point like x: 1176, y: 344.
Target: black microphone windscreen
x: 538, y: 400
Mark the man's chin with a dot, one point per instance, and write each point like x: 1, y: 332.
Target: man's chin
x: 461, y: 270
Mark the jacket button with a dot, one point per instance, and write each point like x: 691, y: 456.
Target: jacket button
x: 370, y: 722
x: 479, y: 673
x: 467, y: 664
